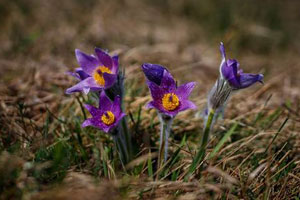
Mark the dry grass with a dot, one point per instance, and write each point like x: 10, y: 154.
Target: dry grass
x: 37, y: 120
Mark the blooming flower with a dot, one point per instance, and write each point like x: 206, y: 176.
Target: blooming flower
x: 235, y: 76
x: 231, y: 79
x: 169, y: 99
x: 95, y: 72
x: 107, y: 116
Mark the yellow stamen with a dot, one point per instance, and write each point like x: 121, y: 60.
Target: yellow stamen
x: 98, y: 74
x: 170, y: 101
x: 108, y: 118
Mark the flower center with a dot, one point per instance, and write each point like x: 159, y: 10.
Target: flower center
x: 108, y: 118
x: 98, y: 74
x: 170, y: 101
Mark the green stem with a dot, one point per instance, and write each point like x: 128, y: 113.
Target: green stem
x: 205, y: 136
x: 202, y: 148
x: 162, y: 141
x: 166, y: 123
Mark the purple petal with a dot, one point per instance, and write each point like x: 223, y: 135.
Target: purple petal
x: 106, y: 128
x: 94, y: 111
x: 187, y: 105
x: 157, y: 93
x: 110, y: 79
x: 223, y: 62
x: 116, y: 108
x: 153, y: 72
x: 86, y: 90
x: 222, y: 50
x: 86, y: 62
x: 184, y: 91
x: 104, y: 102
x: 118, y: 118
x: 93, y: 85
x: 159, y: 107
x: 87, y: 122
x: 121, y: 116
x: 83, y: 85
x: 104, y: 58
x: 115, y: 66
x: 74, y: 74
x: 230, y: 70
x: 247, y: 80
x: 168, y: 82
x: 81, y: 73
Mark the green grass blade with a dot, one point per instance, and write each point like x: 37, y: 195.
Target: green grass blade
x: 223, y: 140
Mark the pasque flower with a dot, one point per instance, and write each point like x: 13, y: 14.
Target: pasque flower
x: 231, y: 78
x: 96, y: 72
x: 169, y: 99
x: 107, y: 116
x: 230, y: 71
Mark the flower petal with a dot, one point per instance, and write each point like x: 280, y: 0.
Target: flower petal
x: 223, y: 54
x: 86, y: 62
x: 83, y: 85
x: 116, y: 108
x: 247, y: 80
x: 110, y: 79
x: 118, y: 118
x: 104, y: 58
x: 229, y: 71
x: 157, y: 93
x: 184, y: 91
x: 168, y: 83
x: 81, y: 73
x: 153, y: 72
x: 115, y: 64
x: 222, y: 50
x: 94, y: 111
x: 104, y: 102
x: 159, y: 107
x: 87, y: 122
x: 187, y: 105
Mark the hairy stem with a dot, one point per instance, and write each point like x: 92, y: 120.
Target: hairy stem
x: 166, y: 123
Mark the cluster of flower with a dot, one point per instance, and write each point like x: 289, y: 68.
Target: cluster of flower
x: 100, y: 72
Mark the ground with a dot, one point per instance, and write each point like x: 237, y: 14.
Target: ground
x: 45, y: 154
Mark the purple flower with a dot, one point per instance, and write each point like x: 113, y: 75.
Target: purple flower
x: 107, y: 116
x: 231, y: 72
x: 169, y: 99
x: 95, y: 72
x: 153, y: 72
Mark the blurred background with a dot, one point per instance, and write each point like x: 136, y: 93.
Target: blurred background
x: 38, y: 39
x: 263, y: 35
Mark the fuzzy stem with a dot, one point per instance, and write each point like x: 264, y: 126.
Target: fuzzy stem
x: 162, y: 141
x: 165, y: 122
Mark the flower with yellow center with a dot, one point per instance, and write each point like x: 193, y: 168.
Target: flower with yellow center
x: 170, y: 101
x: 98, y: 74
x: 108, y: 118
